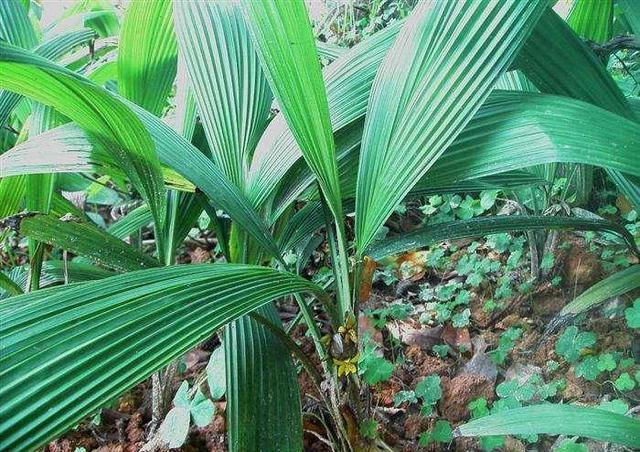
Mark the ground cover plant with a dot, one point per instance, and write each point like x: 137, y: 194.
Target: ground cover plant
x: 406, y: 225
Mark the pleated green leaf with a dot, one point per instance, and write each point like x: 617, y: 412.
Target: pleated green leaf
x: 230, y: 89
x: 147, y: 54
x: 516, y: 130
x: 95, y: 110
x: 12, y: 191
x: 475, y: 227
x: 15, y: 26
x: 285, y: 43
x: 592, y: 19
x: 54, y: 272
x: 631, y: 10
x: 9, y: 286
x: 263, y: 397
x: 71, y: 149
x: 553, y: 49
x: 348, y: 83
x: 54, y: 49
x: 616, y: 284
x: 440, y: 69
x: 131, y: 222
x: 553, y: 419
x: 68, y: 351
x: 85, y: 239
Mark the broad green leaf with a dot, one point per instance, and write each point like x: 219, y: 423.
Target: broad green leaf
x: 53, y: 49
x: 131, y: 222
x: 262, y: 393
x: 284, y: 40
x: 15, y: 26
x: 480, y: 226
x: 230, y: 89
x: 516, y: 130
x: 348, y: 82
x: 175, y: 427
x: 9, y: 286
x: 72, y: 149
x: 202, y: 409
x: 632, y: 315
x: 85, y: 239
x: 612, y: 286
x: 631, y: 10
x: 572, y: 341
x: 592, y: 19
x: 68, y: 351
x: 553, y: 49
x: 435, y: 77
x: 216, y: 374
x: 12, y: 191
x: 95, y: 110
x: 147, y: 54
x: 553, y: 419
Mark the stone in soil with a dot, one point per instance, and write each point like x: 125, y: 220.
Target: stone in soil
x: 460, y: 391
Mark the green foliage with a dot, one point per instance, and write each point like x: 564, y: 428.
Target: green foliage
x: 369, y: 429
x: 440, y: 433
x: 175, y: 427
x: 373, y: 368
x: 401, y: 397
x: 429, y: 391
x: 441, y: 350
x: 624, y: 382
x: 569, y: 445
x: 572, y: 342
x: 394, y: 311
x: 632, y: 314
x: 588, y: 368
x: 506, y: 343
x: 216, y: 376
x: 413, y: 107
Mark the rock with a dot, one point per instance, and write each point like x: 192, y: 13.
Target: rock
x: 456, y: 337
x: 424, y: 337
x: 522, y: 372
x: 581, y: 268
x: 513, y: 445
x: 414, y: 425
x: 573, y: 390
x: 480, y: 363
x: 460, y: 391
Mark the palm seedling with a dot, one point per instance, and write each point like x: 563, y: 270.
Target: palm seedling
x: 408, y: 111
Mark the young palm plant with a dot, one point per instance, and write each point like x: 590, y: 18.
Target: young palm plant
x: 411, y: 110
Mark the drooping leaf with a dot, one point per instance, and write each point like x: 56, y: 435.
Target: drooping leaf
x: 616, y: 284
x: 72, y: 149
x: 147, y: 54
x: 72, y: 349
x: 432, y: 81
x: 53, y: 49
x: 94, y: 109
x: 79, y: 237
x: 552, y: 49
x: 480, y: 226
x: 554, y: 419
